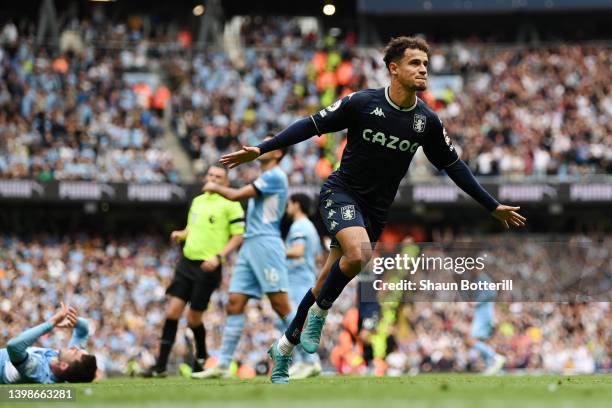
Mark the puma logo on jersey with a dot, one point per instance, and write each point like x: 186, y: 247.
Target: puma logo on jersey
x: 378, y: 112
x: 389, y: 141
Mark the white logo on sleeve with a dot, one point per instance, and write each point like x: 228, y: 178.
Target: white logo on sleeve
x: 378, y: 112
x: 333, y: 225
x: 348, y: 212
x: 419, y: 123
x: 328, y: 203
x: 334, y: 106
x: 331, y: 213
x: 447, y: 139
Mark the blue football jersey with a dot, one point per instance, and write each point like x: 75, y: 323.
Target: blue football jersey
x: 34, y: 369
x: 302, y: 270
x: 266, y: 210
x: 33, y: 365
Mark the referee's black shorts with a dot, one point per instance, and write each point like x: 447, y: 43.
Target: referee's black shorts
x: 192, y: 284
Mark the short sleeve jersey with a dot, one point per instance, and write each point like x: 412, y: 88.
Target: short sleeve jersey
x: 211, y: 222
x: 303, y: 269
x: 266, y: 209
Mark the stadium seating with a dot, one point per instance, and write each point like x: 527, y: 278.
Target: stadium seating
x: 119, y: 284
x: 69, y: 115
x: 522, y: 112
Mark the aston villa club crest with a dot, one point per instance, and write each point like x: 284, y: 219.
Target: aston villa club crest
x: 348, y: 212
x: 419, y: 123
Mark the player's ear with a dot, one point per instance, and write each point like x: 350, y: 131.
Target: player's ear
x: 64, y: 366
x: 393, y: 68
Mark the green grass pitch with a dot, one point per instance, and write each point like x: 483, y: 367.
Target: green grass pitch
x: 434, y: 390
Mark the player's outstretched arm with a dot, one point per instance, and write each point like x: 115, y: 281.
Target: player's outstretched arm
x: 234, y: 194
x: 462, y: 176
x: 295, y: 133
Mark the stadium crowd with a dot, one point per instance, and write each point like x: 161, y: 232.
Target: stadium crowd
x: 518, y: 111
x: 72, y: 115
x: 118, y: 283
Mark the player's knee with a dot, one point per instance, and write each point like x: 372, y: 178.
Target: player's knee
x: 174, y: 312
x: 234, y: 306
x: 280, y: 306
x: 355, y: 258
x: 194, y: 318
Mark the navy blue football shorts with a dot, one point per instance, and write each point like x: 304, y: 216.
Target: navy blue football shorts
x: 340, y: 210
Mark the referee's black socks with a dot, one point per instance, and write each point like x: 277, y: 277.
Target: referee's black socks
x: 199, y: 335
x: 167, y: 341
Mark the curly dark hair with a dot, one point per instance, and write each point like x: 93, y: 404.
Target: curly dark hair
x: 303, y: 201
x: 81, y: 371
x: 394, y: 50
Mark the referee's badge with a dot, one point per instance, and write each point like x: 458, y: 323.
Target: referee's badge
x: 419, y: 123
x: 348, y: 212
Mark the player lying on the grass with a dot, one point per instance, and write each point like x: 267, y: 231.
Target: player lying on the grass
x: 386, y: 126
x: 21, y: 363
x: 261, y: 266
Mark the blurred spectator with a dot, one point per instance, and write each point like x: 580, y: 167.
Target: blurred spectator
x: 119, y: 284
x: 71, y: 116
x: 521, y: 111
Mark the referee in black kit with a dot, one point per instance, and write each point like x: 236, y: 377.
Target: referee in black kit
x: 215, y: 226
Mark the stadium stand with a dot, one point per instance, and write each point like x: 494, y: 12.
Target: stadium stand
x: 522, y: 113
x: 72, y: 116
x: 119, y: 283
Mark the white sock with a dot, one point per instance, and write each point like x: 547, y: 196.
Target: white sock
x: 318, y: 311
x: 285, y: 347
